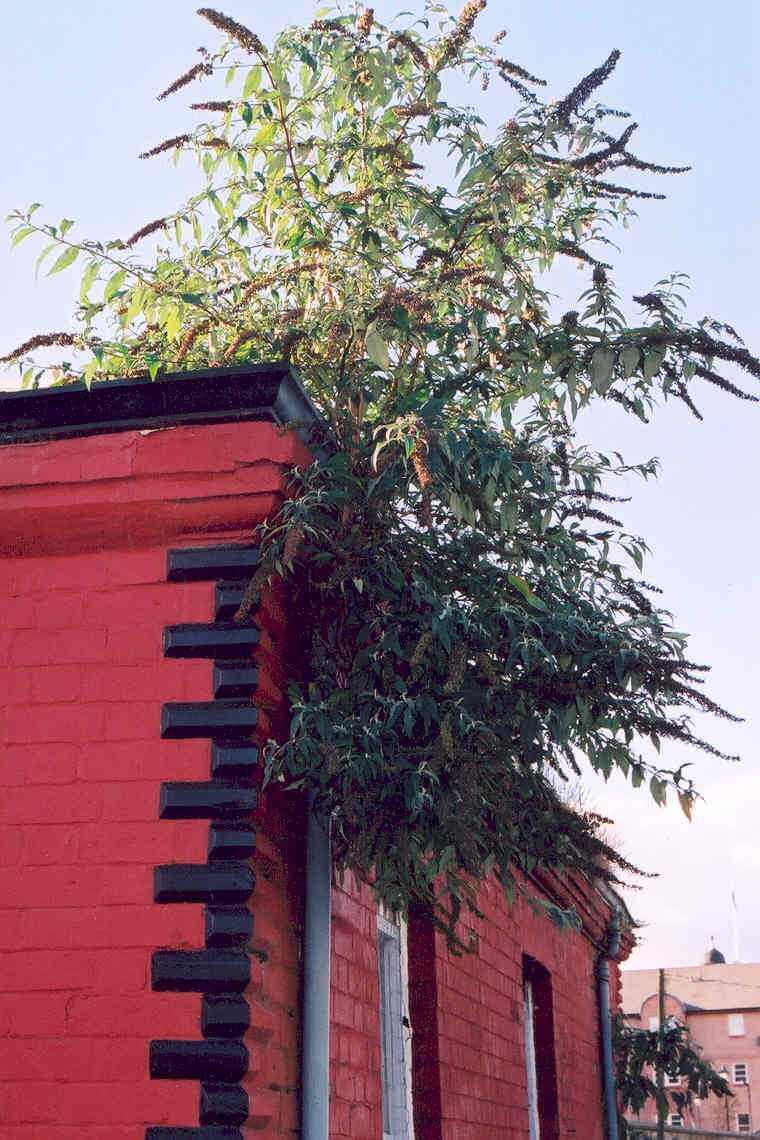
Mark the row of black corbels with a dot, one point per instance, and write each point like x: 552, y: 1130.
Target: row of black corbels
x: 221, y: 972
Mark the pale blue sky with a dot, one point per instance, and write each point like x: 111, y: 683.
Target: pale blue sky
x: 80, y: 80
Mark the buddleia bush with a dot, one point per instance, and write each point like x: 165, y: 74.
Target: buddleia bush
x: 644, y: 1058
x: 473, y: 617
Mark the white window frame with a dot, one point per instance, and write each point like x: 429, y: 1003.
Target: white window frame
x: 736, y: 1025
x: 740, y: 1073
x: 531, y: 1071
x: 672, y: 1082
x: 676, y: 1120
x: 393, y: 979
x: 654, y: 1024
x: 744, y: 1126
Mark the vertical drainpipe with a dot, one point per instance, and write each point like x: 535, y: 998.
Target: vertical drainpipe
x: 610, y: 953
x: 315, y: 1090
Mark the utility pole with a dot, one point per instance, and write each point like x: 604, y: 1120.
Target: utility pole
x: 660, y: 1071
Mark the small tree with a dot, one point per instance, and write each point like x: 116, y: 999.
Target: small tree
x: 641, y: 1054
x: 473, y: 616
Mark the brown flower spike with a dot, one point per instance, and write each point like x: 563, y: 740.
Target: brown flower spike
x: 145, y: 231
x: 167, y: 144
x: 238, y: 32
x: 187, y: 77
x: 42, y: 340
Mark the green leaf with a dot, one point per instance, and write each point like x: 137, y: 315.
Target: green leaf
x: 113, y: 284
x: 265, y: 134
x: 377, y: 349
x: 22, y: 233
x: 252, y: 82
x: 602, y: 363
x: 217, y: 203
x: 686, y: 803
x: 652, y: 361
x: 659, y: 790
x: 522, y: 587
x: 90, y: 371
x: 68, y: 257
x: 88, y: 280
x: 629, y: 360
x: 477, y: 173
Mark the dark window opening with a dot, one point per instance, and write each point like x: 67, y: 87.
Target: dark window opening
x: 540, y: 1060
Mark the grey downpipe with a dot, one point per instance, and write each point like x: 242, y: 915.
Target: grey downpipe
x: 315, y: 1083
x: 605, y: 1016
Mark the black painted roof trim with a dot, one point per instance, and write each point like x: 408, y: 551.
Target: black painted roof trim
x: 270, y: 392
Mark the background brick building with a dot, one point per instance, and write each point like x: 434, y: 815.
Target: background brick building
x: 720, y: 1004
x: 151, y: 905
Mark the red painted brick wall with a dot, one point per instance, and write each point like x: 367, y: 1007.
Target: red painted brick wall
x: 355, y: 1096
x: 84, y: 529
x: 469, y: 1075
x: 481, y: 1031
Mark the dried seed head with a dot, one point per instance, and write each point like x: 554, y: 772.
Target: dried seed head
x: 42, y: 340
x: 420, y: 649
x: 365, y: 22
x: 452, y: 44
x: 213, y: 105
x: 327, y: 26
x: 583, y: 90
x: 237, y: 343
x: 457, y: 668
x: 292, y: 545
x: 247, y: 39
x: 410, y: 110
x: 190, y: 338
x: 447, y: 738
x: 428, y: 255
x: 167, y: 144
x: 509, y: 68
x: 287, y: 316
x: 145, y: 231
x: 469, y: 14
x: 413, y: 48
x: 187, y: 77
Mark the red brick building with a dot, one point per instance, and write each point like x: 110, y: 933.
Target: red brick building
x: 719, y: 1003
x: 151, y: 902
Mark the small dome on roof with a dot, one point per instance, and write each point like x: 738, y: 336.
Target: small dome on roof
x: 713, y: 957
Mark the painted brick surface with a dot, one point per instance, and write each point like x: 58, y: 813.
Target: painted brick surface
x: 481, y: 1031
x: 355, y: 1106
x: 469, y: 1074
x: 84, y: 529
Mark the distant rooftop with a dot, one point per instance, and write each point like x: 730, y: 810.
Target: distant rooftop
x: 711, y: 986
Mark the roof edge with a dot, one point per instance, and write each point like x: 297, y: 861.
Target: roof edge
x: 213, y: 395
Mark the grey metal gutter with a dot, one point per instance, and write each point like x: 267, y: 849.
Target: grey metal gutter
x: 610, y: 953
x: 315, y: 1087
